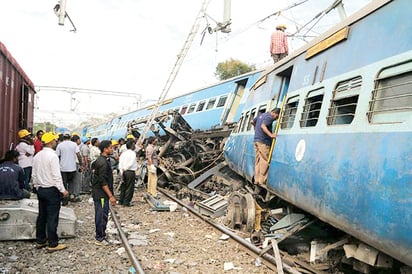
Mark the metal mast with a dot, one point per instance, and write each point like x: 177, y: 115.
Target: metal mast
x: 176, y: 68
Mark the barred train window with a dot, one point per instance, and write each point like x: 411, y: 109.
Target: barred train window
x: 311, y: 109
x: 222, y: 101
x: 211, y: 103
x: 392, y: 97
x: 191, y: 108
x: 252, y: 116
x: 344, y: 101
x: 246, y: 121
x: 239, y: 125
x: 200, y: 106
x: 289, y: 114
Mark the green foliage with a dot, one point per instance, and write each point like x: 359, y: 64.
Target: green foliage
x: 46, y: 126
x: 232, y: 68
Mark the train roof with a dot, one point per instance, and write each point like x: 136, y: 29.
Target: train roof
x: 13, y: 61
x: 366, y: 10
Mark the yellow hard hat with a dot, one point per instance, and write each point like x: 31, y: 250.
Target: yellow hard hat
x: 75, y: 134
x: 88, y: 135
x: 23, y: 133
x: 281, y: 26
x: 130, y: 136
x: 48, y: 137
x: 114, y: 142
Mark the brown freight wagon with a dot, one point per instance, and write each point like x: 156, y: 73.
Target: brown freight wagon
x: 16, y: 100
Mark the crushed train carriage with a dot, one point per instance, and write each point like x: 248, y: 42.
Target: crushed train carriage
x: 342, y: 152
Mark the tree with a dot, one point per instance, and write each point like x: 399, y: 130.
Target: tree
x: 232, y: 68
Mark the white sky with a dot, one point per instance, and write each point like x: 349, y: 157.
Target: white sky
x: 132, y: 46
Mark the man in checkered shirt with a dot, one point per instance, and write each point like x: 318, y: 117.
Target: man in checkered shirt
x: 279, y: 44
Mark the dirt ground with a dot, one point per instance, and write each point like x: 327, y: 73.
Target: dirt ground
x: 164, y: 242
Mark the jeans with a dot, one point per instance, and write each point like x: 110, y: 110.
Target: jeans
x: 48, y: 219
x: 101, y: 215
x: 27, y: 177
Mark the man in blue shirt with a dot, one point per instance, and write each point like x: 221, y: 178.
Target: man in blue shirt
x: 262, y: 142
x: 12, y: 178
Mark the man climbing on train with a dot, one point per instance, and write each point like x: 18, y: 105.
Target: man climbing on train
x: 262, y: 142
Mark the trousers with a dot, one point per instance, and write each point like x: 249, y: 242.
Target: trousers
x: 48, y: 218
x: 127, y: 187
x: 261, y: 162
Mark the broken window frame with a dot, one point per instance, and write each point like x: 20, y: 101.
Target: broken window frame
x: 344, y: 102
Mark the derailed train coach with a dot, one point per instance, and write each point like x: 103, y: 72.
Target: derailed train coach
x: 16, y: 100
x: 343, y: 150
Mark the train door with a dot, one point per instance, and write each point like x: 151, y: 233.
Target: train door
x: 284, y: 86
x: 233, y: 102
x: 24, y: 106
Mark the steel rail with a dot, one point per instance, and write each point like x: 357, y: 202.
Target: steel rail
x: 127, y: 247
x: 237, y: 238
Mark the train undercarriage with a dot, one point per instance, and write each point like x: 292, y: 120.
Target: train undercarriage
x: 192, y: 166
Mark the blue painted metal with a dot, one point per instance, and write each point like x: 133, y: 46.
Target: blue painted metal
x: 117, y: 127
x: 357, y: 176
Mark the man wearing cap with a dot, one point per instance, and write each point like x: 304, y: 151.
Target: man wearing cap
x: 48, y: 182
x: 279, y: 44
x: 25, y: 148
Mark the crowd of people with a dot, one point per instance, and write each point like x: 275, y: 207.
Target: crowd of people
x: 58, y: 168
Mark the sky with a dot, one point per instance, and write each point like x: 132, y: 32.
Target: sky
x: 131, y: 46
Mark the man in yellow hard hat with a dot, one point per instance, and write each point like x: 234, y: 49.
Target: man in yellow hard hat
x: 25, y: 147
x: 279, y: 43
x: 48, y: 182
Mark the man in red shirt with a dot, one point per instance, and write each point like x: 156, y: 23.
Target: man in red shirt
x: 38, y: 145
x: 279, y: 44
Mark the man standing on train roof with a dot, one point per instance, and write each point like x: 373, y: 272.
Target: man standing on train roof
x: 279, y: 44
x: 262, y: 142
x: 127, y: 167
x: 48, y: 182
x: 101, y: 193
x: 26, y: 149
x: 12, y: 178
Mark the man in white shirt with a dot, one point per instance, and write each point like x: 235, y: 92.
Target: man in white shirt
x: 68, y: 151
x: 127, y: 167
x: 25, y: 147
x: 48, y: 182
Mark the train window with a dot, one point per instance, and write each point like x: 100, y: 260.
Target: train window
x: 239, y: 125
x: 191, y: 108
x: 222, y: 101
x: 211, y: 103
x: 311, y: 109
x: 183, y: 110
x: 392, y: 97
x: 289, y: 113
x: 252, y: 117
x: 246, y: 121
x: 344, y: 101
x: 201, y: 106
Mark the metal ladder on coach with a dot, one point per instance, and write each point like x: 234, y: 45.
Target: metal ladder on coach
x: 175, y: 69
